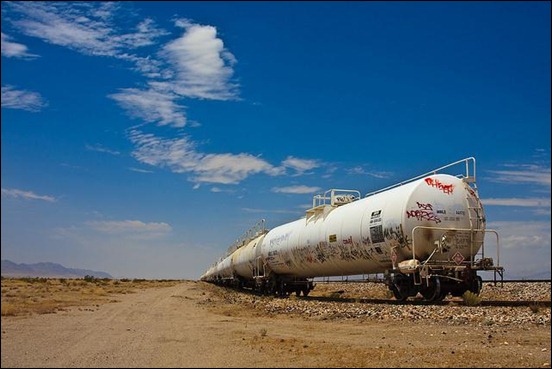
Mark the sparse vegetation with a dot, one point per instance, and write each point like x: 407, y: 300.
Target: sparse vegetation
x: 24, y: 296
x: 471, y: 299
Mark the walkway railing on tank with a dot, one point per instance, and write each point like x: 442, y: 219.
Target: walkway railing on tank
x: 334, y: 197
x: 256, y: 230
x: 468, y: 177
x: 484, y: 263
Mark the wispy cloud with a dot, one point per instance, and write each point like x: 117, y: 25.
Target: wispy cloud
x: 525, y: 235
x: 300, y: 189
x: 140, y: 170
x: 88, y: 28
x: 362, y: 171
x: 21, y: 99
x: 181, y: 156
x: 523, y: 174
x: 129, y: 227
x: 525, y: 202
x: 300, y: 165
x: 195, y: 65
x: 151, y: 106
x: 15, y: 50
x: 272, y: 211
x: 199, y: 67
x: 27, y: 195
x: 219, y: 190
x: 231, y: 168
x: 100, y: 148
x: 524, y: 247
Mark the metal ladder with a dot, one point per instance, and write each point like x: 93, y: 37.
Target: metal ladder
x: 476, y: 221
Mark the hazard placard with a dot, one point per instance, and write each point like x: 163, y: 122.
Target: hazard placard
x: 458, y: 258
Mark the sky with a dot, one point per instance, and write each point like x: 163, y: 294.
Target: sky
x: 143, y: 138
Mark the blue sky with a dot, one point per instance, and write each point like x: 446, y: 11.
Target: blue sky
x: 143, y: 138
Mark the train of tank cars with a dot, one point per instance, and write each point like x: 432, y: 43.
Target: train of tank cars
x: 426, y: 235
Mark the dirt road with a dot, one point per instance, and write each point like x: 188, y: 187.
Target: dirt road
x: 190, y: 325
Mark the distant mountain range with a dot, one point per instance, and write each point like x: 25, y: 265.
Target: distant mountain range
x: 47, y: 270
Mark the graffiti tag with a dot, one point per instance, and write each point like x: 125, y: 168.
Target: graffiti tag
x: 447, y: 189
x: 424, y: 212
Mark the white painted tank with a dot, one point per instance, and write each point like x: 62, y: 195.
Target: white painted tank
x: 244, y: 258
x: 371, y: 234
x: 223, y: 269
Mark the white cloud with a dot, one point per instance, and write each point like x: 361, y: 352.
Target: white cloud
x: 27, y: 195
x: 180, y: 156
x: 273, y: 211
x: 151, y: 106
x: 203, y: 66
x: 300, y: 165
x: 21, y: 99
x: 230, y: 168
x: 195, y: 65
x: 88, y: 28
x: 524, y: 248
x: 100, y: 148
x: 527, y: 202
x: 221, y: 190
x: 14, y: 49
x: 200, y: 67
x: 524, y: 174
x: 296, y: 189
x: 361, y: 171
x: 140, y: 170
x: 129, y: 227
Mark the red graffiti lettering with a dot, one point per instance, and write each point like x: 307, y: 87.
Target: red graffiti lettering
x: 423, y: 215
x: 447, y: 189
x: 424, y: 206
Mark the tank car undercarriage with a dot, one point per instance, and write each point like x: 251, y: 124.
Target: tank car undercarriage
x: 273, y: 285
x: 436, y: 282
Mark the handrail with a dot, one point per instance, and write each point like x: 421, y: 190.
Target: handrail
x: 335, y: 199
x: 434, y: 171
x: 257, y: 229
x: 460, y: 230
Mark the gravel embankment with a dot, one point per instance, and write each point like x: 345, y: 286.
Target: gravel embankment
x: 455, y: 314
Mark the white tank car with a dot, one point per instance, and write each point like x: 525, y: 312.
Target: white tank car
x: 424, y: 234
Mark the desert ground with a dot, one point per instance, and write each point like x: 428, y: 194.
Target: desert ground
x: 195, y: 324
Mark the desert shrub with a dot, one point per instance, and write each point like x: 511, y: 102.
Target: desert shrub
x: 32, y: 280
x: 471, y: 299
x: 89, y: 278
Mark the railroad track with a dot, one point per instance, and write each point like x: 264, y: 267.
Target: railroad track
x: 512, y: 303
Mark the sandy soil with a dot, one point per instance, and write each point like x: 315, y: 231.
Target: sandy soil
x: 191, y: 325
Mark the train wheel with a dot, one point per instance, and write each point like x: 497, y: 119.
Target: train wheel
x: 477, y: 285
x: 306, y: 291
x: 441, y: 296
x: 397, y: 293
x: 281, y: 289
x: 433, y: 290
x: 399, y: 281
